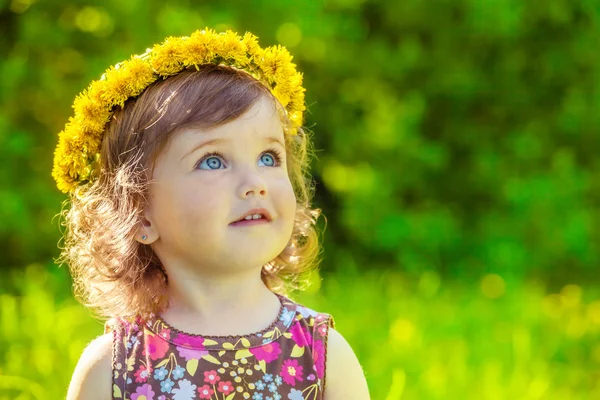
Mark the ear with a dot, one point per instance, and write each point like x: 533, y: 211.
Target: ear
x: 146, y: 232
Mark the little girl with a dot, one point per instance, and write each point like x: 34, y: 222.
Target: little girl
x: 189, y: 220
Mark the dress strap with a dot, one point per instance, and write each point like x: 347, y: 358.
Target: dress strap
x: 320, y: 333
x: 120, y: 329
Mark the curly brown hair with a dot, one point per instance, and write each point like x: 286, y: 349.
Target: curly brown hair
x: 115, y: 275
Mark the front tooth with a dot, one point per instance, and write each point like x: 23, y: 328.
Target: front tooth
x: 248, y: 217
x: 256, y: 216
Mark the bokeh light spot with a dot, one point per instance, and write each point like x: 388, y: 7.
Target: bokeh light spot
x: 593, y: 312
x: 313, y: 49
x: 402, y: 330
x: 429, y: 283
x: 94, y: 20
x: 493, y: 286
x: 289, y: 34
x: 571, y: 295
x: 20, y: 6
x: 552, y: 306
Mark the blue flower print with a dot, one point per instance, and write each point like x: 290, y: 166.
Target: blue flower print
x: 128, y: 380
x: 268, y: 398
x: 276, y: 396
x: 268, y: 378
x: 178, y: 372
x: 278, y: 380
x: 306, y: 312
x: 286, y: 316
x: 160, y: 373
x: 260, y: 385
x: 272, y: 387
x: 186, y: 390
x: 131, y: 342
x: 166, y: 386
x: 295, y: 395
x: 257, y: 396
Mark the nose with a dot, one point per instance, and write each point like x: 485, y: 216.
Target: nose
x: 253, y: 185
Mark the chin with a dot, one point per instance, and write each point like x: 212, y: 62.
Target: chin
x: 251, y: 258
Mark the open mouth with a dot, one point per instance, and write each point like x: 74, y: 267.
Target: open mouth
x: 256, y: 216
x: 252, y: 217
x: 251, y: 221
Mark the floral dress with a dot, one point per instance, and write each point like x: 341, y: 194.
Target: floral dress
x: 154, y: 361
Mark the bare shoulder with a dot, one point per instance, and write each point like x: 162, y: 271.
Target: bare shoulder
x: 344, y: 377
x: 93, y: 374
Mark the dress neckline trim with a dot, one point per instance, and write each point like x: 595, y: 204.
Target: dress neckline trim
x: 199, y: 342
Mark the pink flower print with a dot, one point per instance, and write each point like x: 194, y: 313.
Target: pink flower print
x: 143, y: 392
x: 320, y: 317
x: 211, y: 377
x: 291, y: 372
x: 225, y: 387
x: 156, y: 347
x: 165, y: 334
x: 141, y: 375
x: 322, y: 329
x: 190, y: 347
x: 300, y: 335
x: 205, y: 392
x: 319, y: 358
x: 196, y: 342
x: 268, y: 352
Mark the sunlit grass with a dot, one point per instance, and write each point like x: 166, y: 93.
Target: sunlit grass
x: 418, y: 338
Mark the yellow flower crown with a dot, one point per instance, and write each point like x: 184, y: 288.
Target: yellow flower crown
x: 77, y: 153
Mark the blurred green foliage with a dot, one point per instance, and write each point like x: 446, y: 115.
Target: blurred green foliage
x: 456, y: 168
x: 455, y: 136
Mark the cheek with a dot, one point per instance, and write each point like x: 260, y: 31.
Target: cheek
x: 288, y: 199
x: 184, y: 204
x: 202, y: 204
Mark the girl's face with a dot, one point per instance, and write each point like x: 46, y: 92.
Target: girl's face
x: 206, y: 180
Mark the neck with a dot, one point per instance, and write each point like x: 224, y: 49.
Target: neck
x: 216, y: 305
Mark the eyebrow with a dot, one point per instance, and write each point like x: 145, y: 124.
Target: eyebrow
x: 220, y: 141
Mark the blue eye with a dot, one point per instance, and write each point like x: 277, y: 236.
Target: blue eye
x: 271, y: 158
x: 267, y: 160
x: 212, y: 162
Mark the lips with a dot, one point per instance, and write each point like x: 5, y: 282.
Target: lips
x: 265, y: 215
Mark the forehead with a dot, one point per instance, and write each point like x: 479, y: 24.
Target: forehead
x: 260, y: 121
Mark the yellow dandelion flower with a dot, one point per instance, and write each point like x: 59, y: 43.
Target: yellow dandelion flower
x: 95, y: 91
x: 90, y: 114
x: 197, y: 50
x: 296, y: 89
x: 60, y: 160
x: 167, y: 58
x: 140, y: 74
x: 116, y: 86
x: 231, y: 46
x: 296, y: 118
x: 274, y: 58
x: 282, y: 93
x: 254, y: 51
x: 70, y: 160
